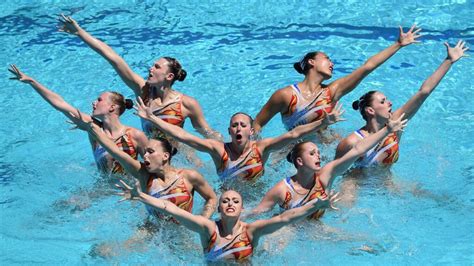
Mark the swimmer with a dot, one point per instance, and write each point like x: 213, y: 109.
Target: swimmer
x: 106, y: 111
x: 242, y: 158
x: 229, y: 238
x: 156, y: 91
x: 376, y: 109
x: 156, y: 176
x: 311, y: 180
x: 309, y: 100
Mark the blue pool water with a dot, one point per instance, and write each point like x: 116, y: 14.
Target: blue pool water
x: 236, y: 55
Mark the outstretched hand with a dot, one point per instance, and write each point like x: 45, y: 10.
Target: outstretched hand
x: 456, y: 52
x: 397, y: 124
x: 326, y: 201
x: 68, y: 24
x: 19, y: 75
x: 142, y: 110
x: 128, y: 192
x: 335, y: 115
x: 409, y: 37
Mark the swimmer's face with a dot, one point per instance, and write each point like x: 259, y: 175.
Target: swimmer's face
x: 159, y: 73
x: 322, y: 64
x: 155, y: 156
x: 309, y: 157
x: 102, y: 105
x: 230, y: 204
x: 380, y: 107
x: 240, y: 129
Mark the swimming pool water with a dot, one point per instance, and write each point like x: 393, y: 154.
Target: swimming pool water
x: 236, y: 54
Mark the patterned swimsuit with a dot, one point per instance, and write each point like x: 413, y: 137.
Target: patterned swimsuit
x: 248, y: 167
x: 388, y: 147
x: 294, y: 200
x: 105, y: 162
x: 239, y: 248
x: 301, y: 112
x: 170, y: 113
x: 176, y: 192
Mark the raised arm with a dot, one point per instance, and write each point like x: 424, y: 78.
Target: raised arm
x: 54, y: 99
x: 414, y: 103
x: 205, y: 190
x: 270, y: 144
x: 197, y: 119
x: 274, y: 105
x: 133, y: 80
x: 340, y: 165
x: 196, y: 223
x: 346, y: 84
x: 204, y: 145
x: 263, y: 227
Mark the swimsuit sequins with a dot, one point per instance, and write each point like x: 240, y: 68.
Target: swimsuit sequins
x: 292, y: 200
x: 106, y: 163
x: 301, y: 112
x: 248, y: 166
x: 388, y: 146
x: 239, y: 248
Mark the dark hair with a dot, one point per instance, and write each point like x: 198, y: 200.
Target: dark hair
x: 176, y: 69
x: 242, y: 113
x: 167, y: 146
x: 302, y: 66
x: 364, y: 101
x: 119, y: 100
x: 295, y: 152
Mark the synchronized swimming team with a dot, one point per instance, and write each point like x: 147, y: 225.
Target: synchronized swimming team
x: 306, y: 107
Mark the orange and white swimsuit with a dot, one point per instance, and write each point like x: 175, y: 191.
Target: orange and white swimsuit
x: 295, y: 200
x: 176, y: 192
x: 170, y: 113
x: 248, y: 166
x: 301, y: 111
x: 239, y: 248
x: 105, y: 162
x: 385, y: 153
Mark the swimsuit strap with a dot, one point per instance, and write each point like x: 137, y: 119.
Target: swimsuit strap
x: 359, y: 134
x: 296, y: 88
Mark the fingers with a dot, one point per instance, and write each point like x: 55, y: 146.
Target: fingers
x: 124, y: 185
x: 412, y: 27
x: 401, y: 116
x: 140, y: 101
x: 401, y: 29
x: 122, y: 199
x: 458, y: 43
x: 416, y: 31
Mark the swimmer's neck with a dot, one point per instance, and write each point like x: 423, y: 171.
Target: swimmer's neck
x: 373, y: 126
x: 229, y: 226
x: 164, y: 171
x: 304, y: 177
x: 240, y: 149
x: 111, y: 126
x: 312, y: 82
x: 160, y: 91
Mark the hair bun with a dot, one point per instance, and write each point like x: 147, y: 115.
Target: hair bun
x: 173, y: 151
x: 289, y: 156
x: 182, y: 74
x: 298, y: 68
x: 355, y: 105
x: 128, y: 104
